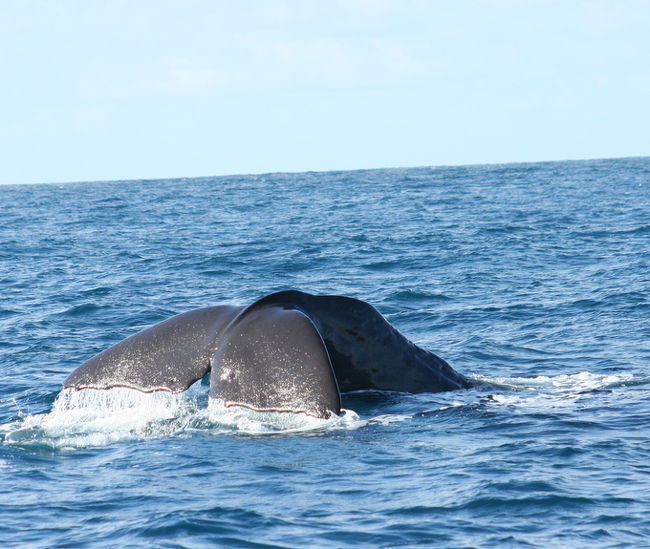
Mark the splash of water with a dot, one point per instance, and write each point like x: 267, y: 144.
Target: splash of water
x: 93, y: 417
x: 250, y: 421
x: 549, y: 392
x: 90, y: 417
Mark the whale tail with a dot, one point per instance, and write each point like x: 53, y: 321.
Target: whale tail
x: 265, y: 357
x: 289, y: 351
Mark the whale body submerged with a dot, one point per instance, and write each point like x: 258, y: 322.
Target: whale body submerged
x: 289, y: 351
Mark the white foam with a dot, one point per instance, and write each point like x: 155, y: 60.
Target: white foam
x: 245, y: 420
x: 581, y: 381
x: 93, y: 417
x: 98, y: 417
x: 388, y: 419
x: 549, y: 392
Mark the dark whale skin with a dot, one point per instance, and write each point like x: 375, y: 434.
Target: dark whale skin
x: 289, y: 351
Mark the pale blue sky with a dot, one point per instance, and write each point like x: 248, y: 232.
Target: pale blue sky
x: 95, y: 90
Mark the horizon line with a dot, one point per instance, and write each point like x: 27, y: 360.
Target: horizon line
x: 282, y: 172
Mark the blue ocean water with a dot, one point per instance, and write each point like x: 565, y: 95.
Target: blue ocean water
x: 533, y: 279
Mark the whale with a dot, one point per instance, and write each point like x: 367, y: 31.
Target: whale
x: 289, y: 351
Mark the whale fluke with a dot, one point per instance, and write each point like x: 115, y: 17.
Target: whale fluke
x: 272, y: 358
x: 289, y: 351
x: 169, y: 356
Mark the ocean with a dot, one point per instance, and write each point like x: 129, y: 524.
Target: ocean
x: 531, y: 279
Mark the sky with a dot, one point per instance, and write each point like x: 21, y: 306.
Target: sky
x: 109, y: 90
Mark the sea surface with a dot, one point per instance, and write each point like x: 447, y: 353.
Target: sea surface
x: 532, y: 279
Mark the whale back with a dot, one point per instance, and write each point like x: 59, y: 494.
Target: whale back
x: 366, y: 352
x: 169, y: 356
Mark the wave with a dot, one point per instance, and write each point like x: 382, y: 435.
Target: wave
x: 544, y: 393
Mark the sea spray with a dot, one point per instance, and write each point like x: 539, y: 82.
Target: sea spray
x: 245, y: 420
x: 95, y: 417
